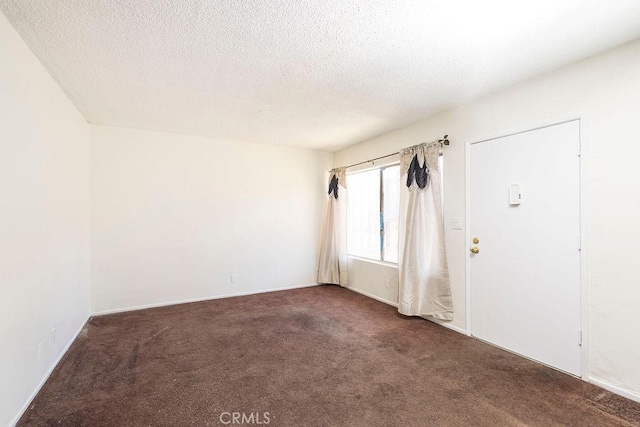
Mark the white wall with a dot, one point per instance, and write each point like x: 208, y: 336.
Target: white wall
x: 604, y: 90
x: 173, y: 217
x: 44, y: 223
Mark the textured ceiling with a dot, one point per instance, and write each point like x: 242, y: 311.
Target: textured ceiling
x: 319, y: 74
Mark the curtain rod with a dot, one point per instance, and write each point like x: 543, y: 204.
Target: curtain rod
x: 443, y: 141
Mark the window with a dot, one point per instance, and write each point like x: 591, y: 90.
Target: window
x: 372, y: 213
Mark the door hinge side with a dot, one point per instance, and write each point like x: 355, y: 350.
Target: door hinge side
x: 579, y: 147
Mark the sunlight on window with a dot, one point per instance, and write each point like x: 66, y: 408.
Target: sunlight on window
x: 373, y: 210
x: 372, y: 226
x: 390, y: 212
x: 363, y: 214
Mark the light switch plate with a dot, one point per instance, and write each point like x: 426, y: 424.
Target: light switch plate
x: 456, y: 223
x: 515, y: 194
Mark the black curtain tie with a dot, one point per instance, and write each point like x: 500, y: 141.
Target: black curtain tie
x: 418, y: 173
x: 333, y: 186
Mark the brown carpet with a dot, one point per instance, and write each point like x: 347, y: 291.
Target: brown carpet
x: 321, y: 356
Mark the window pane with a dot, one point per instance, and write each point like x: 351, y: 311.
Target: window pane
x: 363, y: 214
x: 391, y: 202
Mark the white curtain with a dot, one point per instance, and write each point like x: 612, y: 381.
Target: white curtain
x: 332, y: 267
x: 424, y: 275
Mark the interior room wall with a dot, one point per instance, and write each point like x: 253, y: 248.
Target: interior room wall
x: 173, y: 217
x: 44, y: 223
x: 603, y: 90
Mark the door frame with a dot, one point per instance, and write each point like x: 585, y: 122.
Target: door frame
x: 584, y: 294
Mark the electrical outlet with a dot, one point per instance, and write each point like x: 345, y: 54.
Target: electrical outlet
x: 53, y: 336
x: 387, y: 283
x: 234, y: 278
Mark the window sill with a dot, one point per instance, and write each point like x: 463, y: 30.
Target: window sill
x: 374, y: 261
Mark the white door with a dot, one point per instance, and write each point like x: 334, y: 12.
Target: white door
x: 525, y: 277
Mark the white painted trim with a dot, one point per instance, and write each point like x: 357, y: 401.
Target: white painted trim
x: 186, y: 301
x: 584, y: 247
x: 47, y: 375
x: 522, y: 129
x: 375, y: 297
x: 615, y: 389
x: 584, y: 280
x: 447, y: 325
x: 394, y: 304
x: 467, y: 235
x: 374, y: 261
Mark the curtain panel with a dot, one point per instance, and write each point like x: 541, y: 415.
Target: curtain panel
x: 332, y: 266
x: 422, y: 265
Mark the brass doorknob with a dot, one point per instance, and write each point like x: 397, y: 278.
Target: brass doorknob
x: 475, y: 250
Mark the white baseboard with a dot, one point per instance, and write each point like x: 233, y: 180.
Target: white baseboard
x: 186, y: 301
x: 66, y: 348
x: 595, y: 381
x: 395, y: 304
x: 447, y: 325
x: 615, y: 389
x: 47, y: 375
x: 375, y: 297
